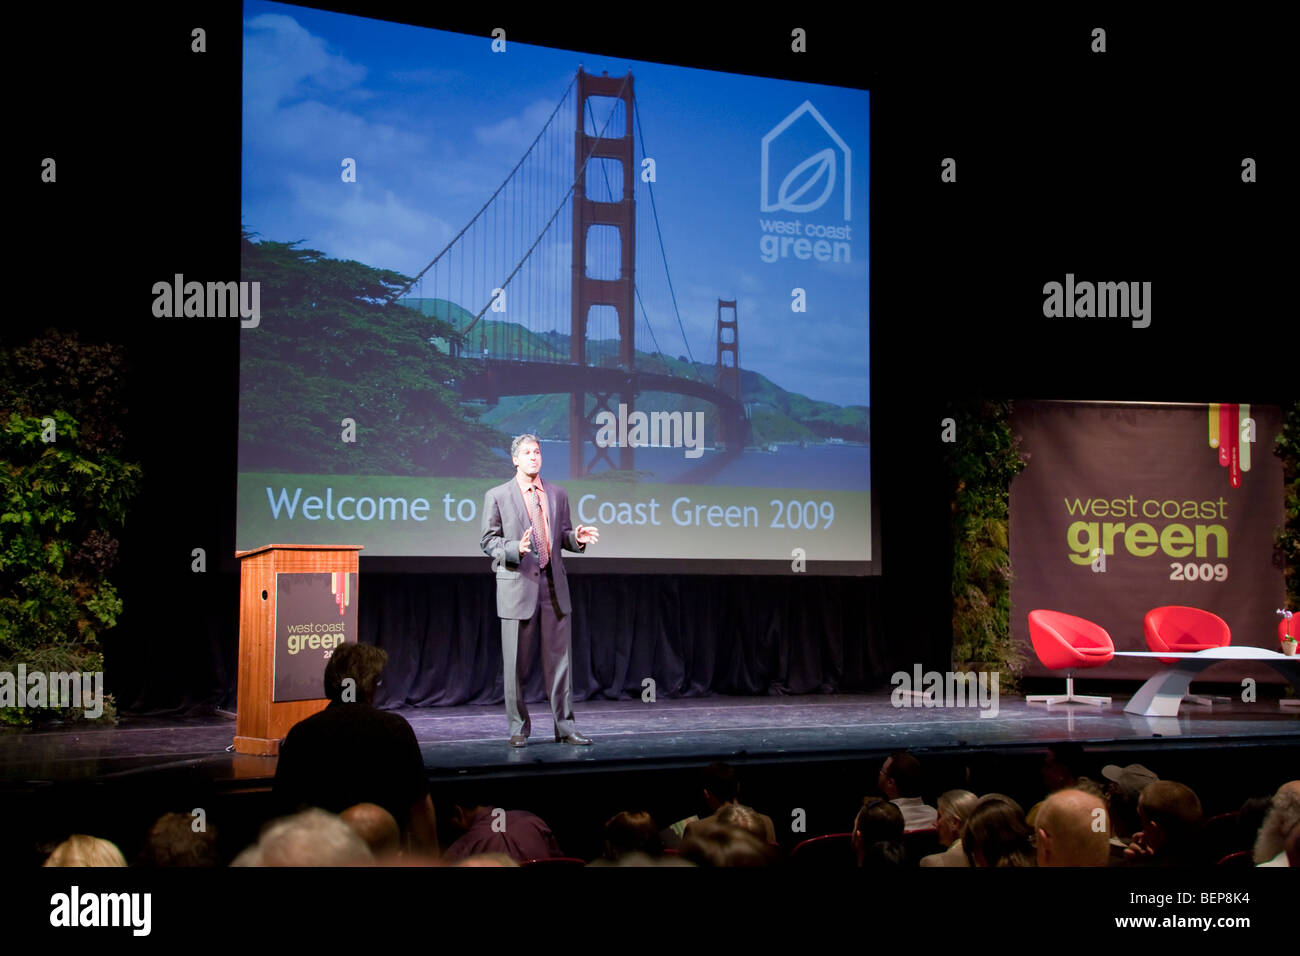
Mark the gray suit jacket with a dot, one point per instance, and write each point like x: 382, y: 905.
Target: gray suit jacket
x: 505, y: 522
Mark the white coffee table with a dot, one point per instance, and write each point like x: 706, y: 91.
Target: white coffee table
x: 1162, y: 694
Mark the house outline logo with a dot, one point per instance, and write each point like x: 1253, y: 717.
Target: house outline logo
x: 825, y: 156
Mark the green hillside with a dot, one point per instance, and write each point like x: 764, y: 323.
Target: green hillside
x: 776, y: 414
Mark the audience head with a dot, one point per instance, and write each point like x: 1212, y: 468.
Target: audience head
x: 462, y: 814
x: 1171, y: 816
x: 1281, y: 823
x: 173, y: 841
x: 362, y: 664
x: 1251, y: 817
x: 1088, y: 785
x: 878, y: 834
x: 954, y: 807
x: 1061, y: 766
x: 720, y: 785
x: 488, y: 859
x: 1123, y: 788
x: 900, y: 776
x: 376, y: 826
x: 632, y: 832
x: 996, y: 833
x: 82, y: 850
x: 713, y: 844
x: 642, y: 860
x: 310, y: 838
x: 1072, y: 830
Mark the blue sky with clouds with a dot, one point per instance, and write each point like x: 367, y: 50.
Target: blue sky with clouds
x: 436, y: 121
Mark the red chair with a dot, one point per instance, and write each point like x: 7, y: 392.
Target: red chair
x: 1185, y: 630
x: 1221, y: 835
x: 1067, y: 643
x: 833, y: 851
x: 920, y: 843
x: 1242, y: 858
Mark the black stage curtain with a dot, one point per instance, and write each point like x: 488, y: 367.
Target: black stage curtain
x: 692, y: 635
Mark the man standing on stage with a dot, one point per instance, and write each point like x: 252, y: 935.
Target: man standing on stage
x: 525, y: 528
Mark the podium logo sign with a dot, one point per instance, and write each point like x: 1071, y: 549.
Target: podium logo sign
x: 314, y: 614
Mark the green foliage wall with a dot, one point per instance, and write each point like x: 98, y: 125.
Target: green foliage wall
x: 981, y: 463
x: 64, y: 492
x: 1287, y: 447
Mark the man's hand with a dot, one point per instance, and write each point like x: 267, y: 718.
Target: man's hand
x: 526, y: 543
x: 1137, y: 849
x: 586, y: 534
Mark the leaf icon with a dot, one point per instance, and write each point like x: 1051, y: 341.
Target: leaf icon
x: 823, y: 166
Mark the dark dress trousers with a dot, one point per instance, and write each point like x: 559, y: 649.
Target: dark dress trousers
x: 532, y: 602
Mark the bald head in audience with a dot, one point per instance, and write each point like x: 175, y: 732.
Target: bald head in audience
x: 1072, y: 830
x: 376, y: 826
x: 310, y: 838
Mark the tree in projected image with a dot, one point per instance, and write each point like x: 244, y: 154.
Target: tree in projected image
x: 331, y: 347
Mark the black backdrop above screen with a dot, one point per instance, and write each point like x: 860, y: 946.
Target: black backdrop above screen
x: 1123, y: 166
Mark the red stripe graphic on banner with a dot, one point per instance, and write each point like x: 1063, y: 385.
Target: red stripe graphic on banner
x: 1231, y: 441
x: 1226, y: 413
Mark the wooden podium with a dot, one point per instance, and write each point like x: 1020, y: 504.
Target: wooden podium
x: 261, y: 723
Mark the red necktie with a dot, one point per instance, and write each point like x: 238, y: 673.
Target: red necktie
x: 535, y: 516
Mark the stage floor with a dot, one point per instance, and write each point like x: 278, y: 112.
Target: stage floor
x: 457, y: 741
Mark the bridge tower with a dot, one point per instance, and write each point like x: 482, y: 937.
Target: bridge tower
x: 728, y: 350
x: 728, y: 334
x: 588, y: 292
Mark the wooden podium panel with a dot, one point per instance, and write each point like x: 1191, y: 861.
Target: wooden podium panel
x: 261, y: 723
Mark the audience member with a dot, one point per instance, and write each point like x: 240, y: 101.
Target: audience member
x: 900, y: 782
x: 631, y: 832
x: 641, y: 860
x: 954, y: 807
x: 735, y: 815
x: 1171, y: 817
x: 1249, y: 820
x: 352, y: 752
x: 376, y: 826
x: 174, y: 841
x: 518, y: 834
x: 82, y: 850
x: 488, y: 859
x: 1281, y: 824
x: 713, y: 844
x: 720, y: 787
x: 996, y: 834
x: 1060, y: 770
x: 1124, y: 785
x: 1072, y: 830
x: 312, y: 837
x: 878, y: 835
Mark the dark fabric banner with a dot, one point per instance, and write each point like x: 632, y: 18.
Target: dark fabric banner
x: 1125, y: 508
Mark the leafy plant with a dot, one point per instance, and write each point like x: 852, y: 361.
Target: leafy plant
x: 63, y: 494
x: 1287, y: 538
x: 981, y: 463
